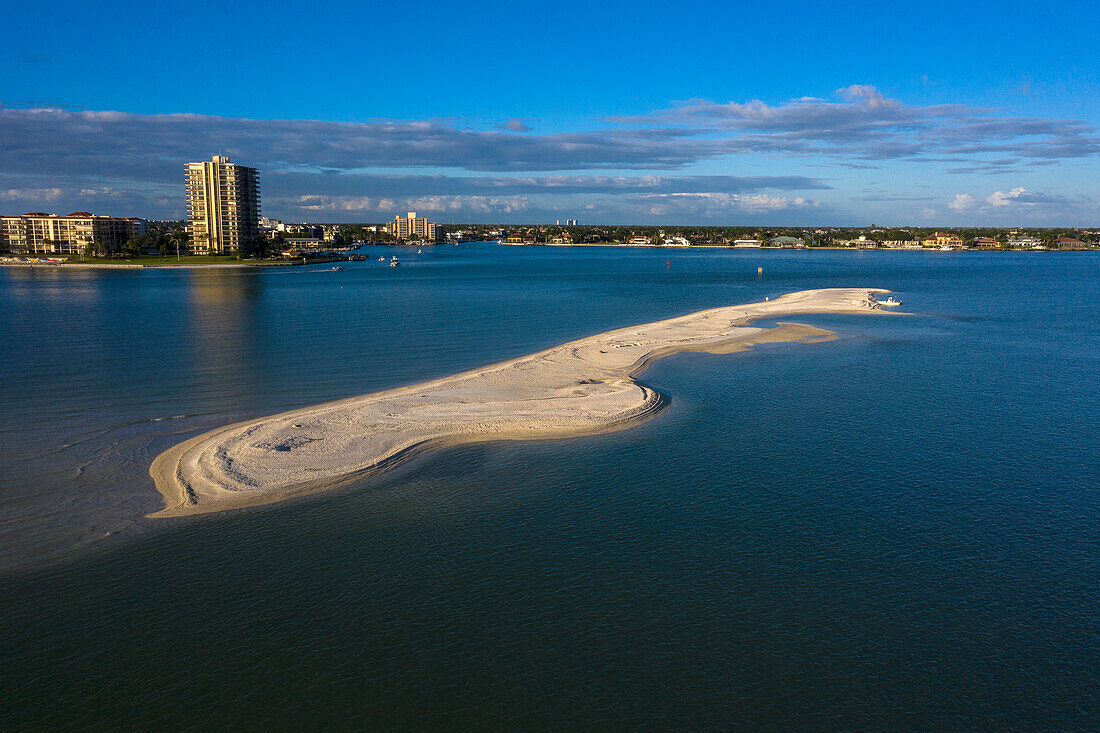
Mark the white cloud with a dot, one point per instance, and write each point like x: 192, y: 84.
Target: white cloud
x: 105, y: 191
x: 1016, y: 198
x: 31, y: 194
x: 711, y: 204
x: 1021, y: 204
x: 427, y: 204
x: 1016, y: 195
x: 962, y: 202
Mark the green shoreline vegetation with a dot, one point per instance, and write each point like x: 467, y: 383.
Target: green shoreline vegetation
x: 872, y: 237
x: 158, y: 261
x: 166, y: 244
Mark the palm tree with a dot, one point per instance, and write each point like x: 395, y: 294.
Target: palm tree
x: 181, y: 237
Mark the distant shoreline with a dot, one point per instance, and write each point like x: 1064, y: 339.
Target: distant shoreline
x: 164, y: 265
x: 673, y: 248
x: 28, y: 262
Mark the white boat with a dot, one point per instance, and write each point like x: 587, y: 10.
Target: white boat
x: 381, y: 259
x: 890, y: 302
x: 395, y: 263
x: 419, y: 251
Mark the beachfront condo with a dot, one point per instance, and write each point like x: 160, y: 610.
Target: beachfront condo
x: 41, y: 233
x: 414, y: 227
x: 223, y: 206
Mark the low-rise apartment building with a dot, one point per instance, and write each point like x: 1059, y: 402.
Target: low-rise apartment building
x: 40, y: 233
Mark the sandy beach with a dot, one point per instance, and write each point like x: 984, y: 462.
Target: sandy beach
x: 582, y: 387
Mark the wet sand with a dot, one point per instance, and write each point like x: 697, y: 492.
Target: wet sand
x: 582, y: 387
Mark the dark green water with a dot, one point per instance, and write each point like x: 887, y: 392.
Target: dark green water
x: 896, y: 529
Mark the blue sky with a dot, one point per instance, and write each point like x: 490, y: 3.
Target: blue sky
x: 713, y: 113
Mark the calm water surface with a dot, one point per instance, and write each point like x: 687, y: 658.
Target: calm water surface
x: 899, y: 528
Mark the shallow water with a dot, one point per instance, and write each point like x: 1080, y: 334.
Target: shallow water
x: 897, y: 528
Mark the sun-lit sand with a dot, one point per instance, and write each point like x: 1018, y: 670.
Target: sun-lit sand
x: 581, y: 387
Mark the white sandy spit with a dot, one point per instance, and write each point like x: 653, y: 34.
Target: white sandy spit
x: 581, y: 387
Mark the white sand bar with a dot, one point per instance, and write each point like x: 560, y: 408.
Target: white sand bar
x: 581, y: 387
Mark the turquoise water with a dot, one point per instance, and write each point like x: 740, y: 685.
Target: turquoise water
x: 899, y: 528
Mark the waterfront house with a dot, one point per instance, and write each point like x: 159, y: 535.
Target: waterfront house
x: 985, y: 243
x: 861, y: 242
x: 787, y: 242
x: 1069, y: 243
x: 942, y: 240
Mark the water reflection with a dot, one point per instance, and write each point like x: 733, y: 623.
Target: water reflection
x: 227, y: 327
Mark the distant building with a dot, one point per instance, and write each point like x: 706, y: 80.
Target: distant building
x: 415, y: 227
x: 986, y: 243
x: 270, y: 226
x: 1025, y: 242
x: 40, y: 233
x: 303, y: 243
x: 1069, y: 243
x: 746, y: 243
x: 639, y: 240
x: 942, y: 240
x: 223, y: 205
x: 787, y: 242
x: 305, y: 230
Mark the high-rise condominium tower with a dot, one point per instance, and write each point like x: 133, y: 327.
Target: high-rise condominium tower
x: 223, y: 205
x: 414, y: 227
